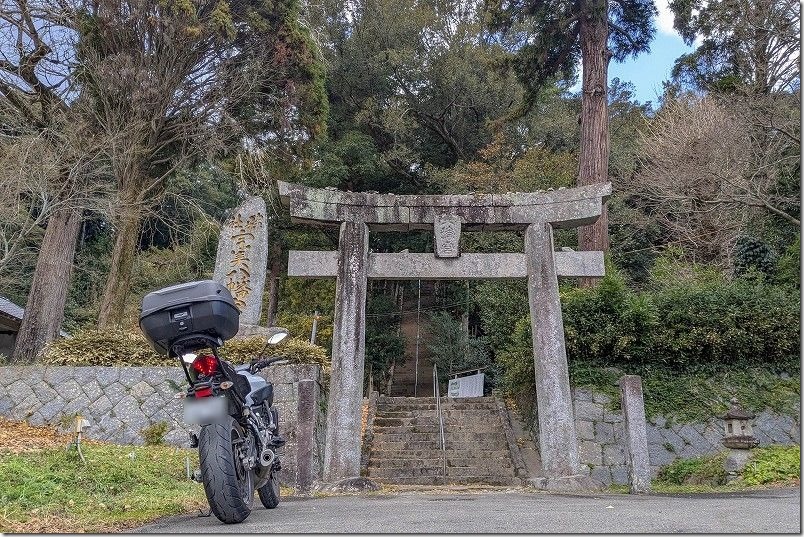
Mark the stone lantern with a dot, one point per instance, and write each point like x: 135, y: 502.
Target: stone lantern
x: 737, y: 428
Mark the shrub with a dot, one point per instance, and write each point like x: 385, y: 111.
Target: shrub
x: 103, y: 347
x: 706, y: 470
x: 743, y: 322
x: 695, y: 338
x: 751, y: 253
x: 120, y: 347
x: 501, y: 304
x: 154, y: 434
x: 608, y: 323
x: 453, y: 350
x: 300, y: 325
x: 773, y: 464
x: 295, y: 350
x: 789, y: 267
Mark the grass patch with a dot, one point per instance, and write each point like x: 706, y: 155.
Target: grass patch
x: 706, y: 470
x: 773, y: 464
x: 768, y: 466
x: 118, y: 487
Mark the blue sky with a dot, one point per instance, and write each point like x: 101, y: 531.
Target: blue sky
x: 648, y: 71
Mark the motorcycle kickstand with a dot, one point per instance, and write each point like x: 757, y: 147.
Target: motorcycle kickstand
x: 201, y: 513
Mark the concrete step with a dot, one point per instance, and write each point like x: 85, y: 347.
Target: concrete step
x: 412, y: 429
x: 452, y: 480
x: 424, y: 407
x: 406, y: 436
x: 434, y: 477
x: 479, y: 430
x: 425, y: 453
x: 433, y: 414
x: 482, y: 440
x: 453, y: 420
x: 385, y: 399
x: 483, y: 466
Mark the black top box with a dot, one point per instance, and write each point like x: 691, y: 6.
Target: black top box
x: 203, y: 308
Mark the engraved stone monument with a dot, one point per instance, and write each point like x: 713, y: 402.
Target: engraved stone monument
x: 242, y: 258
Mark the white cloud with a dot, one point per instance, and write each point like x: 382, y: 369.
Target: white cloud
x: 664, y: 20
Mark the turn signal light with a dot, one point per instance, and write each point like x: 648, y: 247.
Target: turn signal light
x: 206, y: 365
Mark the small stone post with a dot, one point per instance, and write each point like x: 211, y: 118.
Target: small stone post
x: 558, y: 442
x: 342, y: 451
x: 305, y: 435
x: 636, y: 439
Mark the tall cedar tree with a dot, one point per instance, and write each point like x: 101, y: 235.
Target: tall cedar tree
x: 549, y: 38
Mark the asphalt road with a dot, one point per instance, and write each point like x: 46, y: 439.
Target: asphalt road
x: 768, y: 511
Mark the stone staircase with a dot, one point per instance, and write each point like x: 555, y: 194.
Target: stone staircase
x: 403, y: 444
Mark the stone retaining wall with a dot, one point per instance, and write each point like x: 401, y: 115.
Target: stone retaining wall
x: 121, y: 401
x: 601, y: 436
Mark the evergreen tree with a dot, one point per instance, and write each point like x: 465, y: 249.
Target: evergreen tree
x: 549, y: 38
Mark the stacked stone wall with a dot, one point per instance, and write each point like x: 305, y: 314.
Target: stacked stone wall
x: 121, y: 401
x: 602, y: 443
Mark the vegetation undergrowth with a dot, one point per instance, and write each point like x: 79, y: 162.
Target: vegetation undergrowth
x: 695, y: 395
x: 703, y: 470
x: 118, y: 487
x: 129, y: 348
x: 767, y: 466
x: 696, y: 338
x: 773, y: 464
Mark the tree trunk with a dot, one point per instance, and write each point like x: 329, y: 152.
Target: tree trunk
x: 121, y: 267
x: 594, y: 150
x: 273, y: 290
x: 44, y: 309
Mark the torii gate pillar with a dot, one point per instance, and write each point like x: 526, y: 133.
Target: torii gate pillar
x: 558, y: 441
x: 342, y: 448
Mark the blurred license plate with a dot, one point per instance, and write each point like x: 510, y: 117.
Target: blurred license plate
x: 204, y: 410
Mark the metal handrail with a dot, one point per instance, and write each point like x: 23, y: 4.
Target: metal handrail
x: 437, y: 396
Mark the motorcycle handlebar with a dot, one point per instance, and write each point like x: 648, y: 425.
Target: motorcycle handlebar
x: 262, y: 364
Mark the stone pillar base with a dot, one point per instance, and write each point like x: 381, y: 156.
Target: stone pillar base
x: 354, y: 485
x: 569, y: 483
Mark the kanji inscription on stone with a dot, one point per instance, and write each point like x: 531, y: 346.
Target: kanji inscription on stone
x: 241, y: 260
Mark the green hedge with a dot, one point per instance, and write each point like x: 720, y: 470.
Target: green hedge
x: 695, y: 341
x: 744, y: 322
x: 121, y: 347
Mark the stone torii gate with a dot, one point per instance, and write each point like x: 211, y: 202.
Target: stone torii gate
x: 538, y: 213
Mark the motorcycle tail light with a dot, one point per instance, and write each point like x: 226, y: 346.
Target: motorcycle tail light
x: 206, y: 365
x: 203, y: 392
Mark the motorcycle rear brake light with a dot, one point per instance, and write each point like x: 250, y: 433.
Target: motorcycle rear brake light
x: 206, y: 365
x: 203, y: 392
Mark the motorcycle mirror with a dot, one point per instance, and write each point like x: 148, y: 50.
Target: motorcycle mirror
x: 278, y: 335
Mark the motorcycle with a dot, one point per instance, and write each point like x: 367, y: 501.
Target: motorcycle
x: 233, y: 405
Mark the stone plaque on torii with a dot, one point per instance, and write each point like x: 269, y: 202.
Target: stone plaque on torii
x: 538, y: 213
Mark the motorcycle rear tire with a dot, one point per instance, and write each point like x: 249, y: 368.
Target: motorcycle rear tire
x: 229, y: 486
x: 269, y: 492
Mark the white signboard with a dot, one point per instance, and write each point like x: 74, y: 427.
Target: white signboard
x: 471, y: 386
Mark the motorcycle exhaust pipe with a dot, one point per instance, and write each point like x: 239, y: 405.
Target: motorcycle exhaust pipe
x: 267, y: 457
